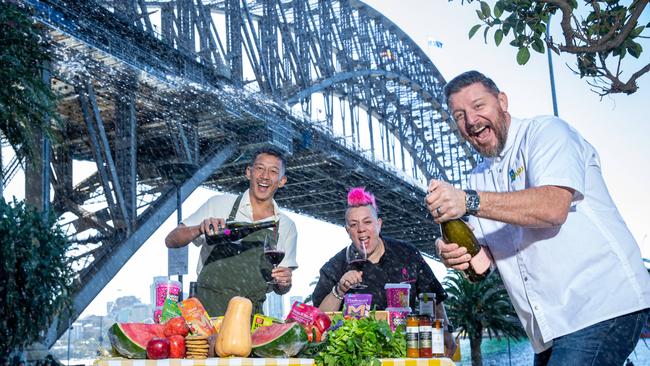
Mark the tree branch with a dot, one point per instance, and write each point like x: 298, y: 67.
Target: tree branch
x: 567, y: 13
x: 606, y: 42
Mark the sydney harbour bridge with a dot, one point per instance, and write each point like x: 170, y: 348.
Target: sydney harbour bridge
x: 161, y: 97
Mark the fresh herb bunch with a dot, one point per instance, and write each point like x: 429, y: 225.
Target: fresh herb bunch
x: 361, y: 342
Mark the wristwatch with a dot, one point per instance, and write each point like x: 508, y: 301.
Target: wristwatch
x: 472, y: 202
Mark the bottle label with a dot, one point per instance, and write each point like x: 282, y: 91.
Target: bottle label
x: 412, y: 337
x: 425, y: 336
x: 437, y: 341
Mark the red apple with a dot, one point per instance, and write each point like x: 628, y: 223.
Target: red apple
x: 176, y: 326
x: 158, y: 348
x: 176, y: 346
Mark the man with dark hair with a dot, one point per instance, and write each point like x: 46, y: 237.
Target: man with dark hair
x: 224, y: 273
x: 541, y: 209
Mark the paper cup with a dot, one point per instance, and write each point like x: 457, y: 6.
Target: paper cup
x: 397, y: 295
x: 167, y: 289
x: 397, y: 316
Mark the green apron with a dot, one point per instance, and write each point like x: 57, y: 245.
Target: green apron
x: 236, y: 269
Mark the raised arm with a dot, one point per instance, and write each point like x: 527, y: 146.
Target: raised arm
x: 539, y: 207
x: 183, y: 234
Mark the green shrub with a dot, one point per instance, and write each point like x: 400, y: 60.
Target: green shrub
x: 36, y: 278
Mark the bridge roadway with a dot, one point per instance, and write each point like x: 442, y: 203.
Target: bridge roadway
x: 157, y: 123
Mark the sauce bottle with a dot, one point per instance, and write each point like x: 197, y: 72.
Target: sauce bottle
x: 438, y: 338
x: 412, y: 336
x: 425, y: 336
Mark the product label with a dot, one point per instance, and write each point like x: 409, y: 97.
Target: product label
x: 412, y: 337
x: 437, y: 341
x: 425, y: 336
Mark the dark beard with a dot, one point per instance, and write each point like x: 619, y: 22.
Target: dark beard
x: 502, y: 136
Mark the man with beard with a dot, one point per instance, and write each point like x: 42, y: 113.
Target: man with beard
x: 239, y: 269
x: 541, y: 209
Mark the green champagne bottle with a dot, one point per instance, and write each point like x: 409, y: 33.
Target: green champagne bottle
x: 236, y: 230
x: 457, y: 231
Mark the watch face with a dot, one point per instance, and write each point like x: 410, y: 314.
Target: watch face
x: 472, y: 202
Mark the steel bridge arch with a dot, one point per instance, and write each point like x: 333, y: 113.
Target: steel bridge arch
x: 343, y: 77
x: 314, y: 46
x: 350, y: 46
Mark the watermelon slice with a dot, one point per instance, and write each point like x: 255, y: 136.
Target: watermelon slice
x: 279, y: 340
x: 130, y: 339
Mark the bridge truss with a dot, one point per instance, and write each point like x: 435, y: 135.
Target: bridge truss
x: 161, y: 97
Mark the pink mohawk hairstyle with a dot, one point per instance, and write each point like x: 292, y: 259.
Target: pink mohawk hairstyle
x: 358, y: 196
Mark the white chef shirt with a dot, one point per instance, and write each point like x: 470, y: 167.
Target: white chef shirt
x: 220, y: 206
x: 565, y: 278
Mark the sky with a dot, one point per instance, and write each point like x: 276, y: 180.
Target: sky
x: 614, y: 125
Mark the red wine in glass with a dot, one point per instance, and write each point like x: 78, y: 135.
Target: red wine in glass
x: 274, y: 256
x: 358, y: 264
x: 357, y: 259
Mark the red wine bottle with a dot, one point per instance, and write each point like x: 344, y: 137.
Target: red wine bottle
x: 236, y: 230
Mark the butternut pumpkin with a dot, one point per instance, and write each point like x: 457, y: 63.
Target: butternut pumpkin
x: 234, y: 338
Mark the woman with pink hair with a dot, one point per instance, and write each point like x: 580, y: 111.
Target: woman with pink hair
x: 388, y: 261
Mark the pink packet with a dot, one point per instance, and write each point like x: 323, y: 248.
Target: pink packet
x: 303, y: 313
x: 357, y: 305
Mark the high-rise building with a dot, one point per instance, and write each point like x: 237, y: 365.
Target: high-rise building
x: 274, y: 305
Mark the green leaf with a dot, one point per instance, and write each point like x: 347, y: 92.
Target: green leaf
x: 538, y: 45
x: 480, y: 14
x: 498, y: 9
x: 635, y: 49
x: 506, y: 28
x: 474, y: 30
x: 520, y: 27
x: 523, y: 55
x: 637, y: 31
x: 498, y: 37
x: 485, y: 9
x: 619, y: 52
x: 485, y: 33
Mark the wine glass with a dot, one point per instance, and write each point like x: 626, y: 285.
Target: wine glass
x: 273, y: 254
x: 357, y: 259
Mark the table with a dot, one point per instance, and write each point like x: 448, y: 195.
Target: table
x: 236, y: 361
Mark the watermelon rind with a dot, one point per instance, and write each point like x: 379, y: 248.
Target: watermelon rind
x: 129, y: 347
x: 289, y: 341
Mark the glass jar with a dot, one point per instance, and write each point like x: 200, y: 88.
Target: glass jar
x: 438, y: 338
x: 412, y: 336
x: 424, y: 334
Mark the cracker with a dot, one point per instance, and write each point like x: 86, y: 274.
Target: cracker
x: 204, y: 354
x: 196, y: 337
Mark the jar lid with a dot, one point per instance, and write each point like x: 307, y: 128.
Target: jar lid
x: 398, y: 310
x: 397, y: 285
